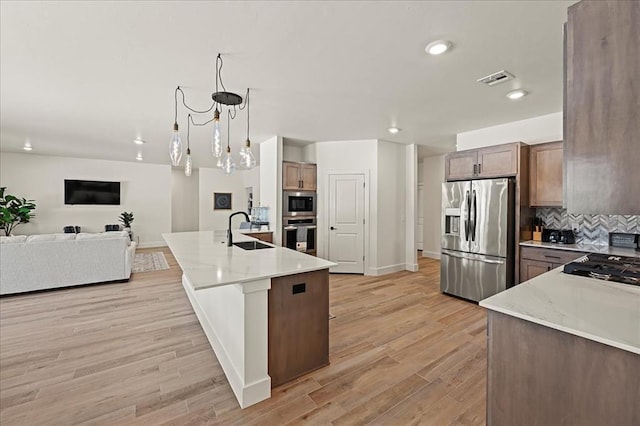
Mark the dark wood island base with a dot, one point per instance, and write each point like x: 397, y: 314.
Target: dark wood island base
x: 538, y: 375
x: 298, y: 325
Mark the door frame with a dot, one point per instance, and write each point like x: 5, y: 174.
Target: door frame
x: 324, y: 221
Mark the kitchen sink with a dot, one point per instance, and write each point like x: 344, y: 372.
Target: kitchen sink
x: 252, y: 245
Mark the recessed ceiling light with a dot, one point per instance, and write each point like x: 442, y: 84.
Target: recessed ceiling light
x: 516, y: 94
x: 27, y: 148
x: 438, y: 47
x: 139, y: 156
x: 139, y: 141
x: 393, y: 130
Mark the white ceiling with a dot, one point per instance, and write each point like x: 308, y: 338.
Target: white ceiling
x: 85, y: 78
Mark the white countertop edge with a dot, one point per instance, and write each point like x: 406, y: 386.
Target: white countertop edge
x: 259, y: 277
x: 555, y: 326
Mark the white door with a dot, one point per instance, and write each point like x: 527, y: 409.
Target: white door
x: 420, y: 221
x: 346, y: 223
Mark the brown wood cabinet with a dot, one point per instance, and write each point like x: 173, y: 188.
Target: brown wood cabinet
x: 483, y: 163
x: 298, y: 325
x: 538, y: 375
x: 299, y: 176
x: 536, y: 261
x: 545, y: 175
x: 266, y: 236
x: 602, y: 107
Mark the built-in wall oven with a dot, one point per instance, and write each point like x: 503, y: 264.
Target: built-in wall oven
x: 299, y: 233
x: 298, y: 203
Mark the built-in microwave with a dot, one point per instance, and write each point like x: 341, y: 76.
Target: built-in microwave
x: 298, y: 203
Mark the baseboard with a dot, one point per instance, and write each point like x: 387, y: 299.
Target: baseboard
x: 152, y: 244
x: 413, y: 267
x: 387, y: 269
x: 246, y: 394
x: 431, y: 254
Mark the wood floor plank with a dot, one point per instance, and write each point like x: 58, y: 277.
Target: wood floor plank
x: 134, y: 353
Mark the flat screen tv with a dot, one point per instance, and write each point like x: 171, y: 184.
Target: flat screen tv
x: 91, y: 192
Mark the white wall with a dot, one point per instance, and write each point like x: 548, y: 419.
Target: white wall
x: 271, y: 184
x: 292, y: 153
x: 433, y: 176
x: 391, y: 207
x: 545, y: 128
x: 145, y: 190
x: 251, y: 179
x: 352, y: 157
x: 215, y: 180
x: 411, y: 210
x: 184, y: 200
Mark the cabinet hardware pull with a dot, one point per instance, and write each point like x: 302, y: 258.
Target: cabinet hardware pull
x: 475, y: 169
x: 479, y: 168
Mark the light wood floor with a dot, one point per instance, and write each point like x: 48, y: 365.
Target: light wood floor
x: 134, y: 353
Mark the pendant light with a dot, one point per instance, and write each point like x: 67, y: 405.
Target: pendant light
x: 228, y: 164
x: 220, y: 99
x: 188, y: 165
x: 247, y: 159
x: 175, y: 144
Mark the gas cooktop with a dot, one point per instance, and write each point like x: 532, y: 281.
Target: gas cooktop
x: 606, y: 267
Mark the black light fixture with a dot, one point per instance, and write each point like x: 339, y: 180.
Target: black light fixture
x: 221, y: 98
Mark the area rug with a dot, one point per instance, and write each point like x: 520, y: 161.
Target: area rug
x: 150, y: 261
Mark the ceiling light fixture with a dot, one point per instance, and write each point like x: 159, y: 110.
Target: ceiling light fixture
x: 221, y: 98
x: 27, y: 146
x: 393, y: 130
x: 139, y: 141
x: 516, y: 94
x: 438, y: 47
x: 139, y: 156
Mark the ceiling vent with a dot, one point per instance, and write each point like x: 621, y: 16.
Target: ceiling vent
x: 496, y: 77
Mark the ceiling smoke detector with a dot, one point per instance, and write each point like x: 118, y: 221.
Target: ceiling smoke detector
x: 496, y: 77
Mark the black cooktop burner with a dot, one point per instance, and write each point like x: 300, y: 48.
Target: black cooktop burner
x: 606, y: 267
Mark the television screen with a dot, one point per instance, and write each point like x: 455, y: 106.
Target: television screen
x: 91, y: 192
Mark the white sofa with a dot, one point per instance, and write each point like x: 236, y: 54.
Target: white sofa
x: 39, y: 262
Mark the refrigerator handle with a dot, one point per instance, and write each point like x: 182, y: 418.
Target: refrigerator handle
x: 473, y: 222
x: 466, y: 216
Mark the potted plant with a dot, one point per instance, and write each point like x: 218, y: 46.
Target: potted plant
x: 14, y: 211
x: 127, y: 219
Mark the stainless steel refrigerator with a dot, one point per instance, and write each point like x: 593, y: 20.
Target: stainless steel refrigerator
x: 477, y: 256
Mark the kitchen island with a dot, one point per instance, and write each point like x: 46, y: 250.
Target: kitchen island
x: 250, y: 327
x: 564, y: 349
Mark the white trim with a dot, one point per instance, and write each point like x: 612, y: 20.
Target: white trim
x: 387, y: 269
x: 431, y: 254
x: 411, y: 267
x: 246, y: 393
x: 367, y: 213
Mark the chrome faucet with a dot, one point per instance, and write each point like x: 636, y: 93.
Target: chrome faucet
x: 229, y: 236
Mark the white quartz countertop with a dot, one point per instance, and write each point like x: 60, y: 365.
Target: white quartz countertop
x: 584, y: 247
x: 207, y: 261
x: 606, y: 312
x: 251, y: 231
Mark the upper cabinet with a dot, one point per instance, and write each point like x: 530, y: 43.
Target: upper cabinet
x: 489, y: 162
x: 545, y: 175
x: 602, y: 107
x: 299, y: 176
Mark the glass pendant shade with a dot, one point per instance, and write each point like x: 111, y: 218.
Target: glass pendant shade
x: 216, y: 142
x: 175, y: 147
x: 188, y: 166
x: 228, y: 165
x: 248, y: 160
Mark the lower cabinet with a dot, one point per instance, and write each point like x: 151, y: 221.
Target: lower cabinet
x: 267, y: 237
x: 536, y: 261
x: 298, y: 325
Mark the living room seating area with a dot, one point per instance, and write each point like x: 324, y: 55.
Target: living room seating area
x: 39, y: 262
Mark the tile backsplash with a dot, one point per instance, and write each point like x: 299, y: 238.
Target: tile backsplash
x: 591, y: 228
